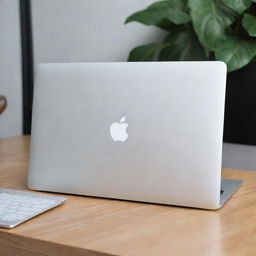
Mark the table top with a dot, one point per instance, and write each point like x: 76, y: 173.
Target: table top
x: 92, y: 226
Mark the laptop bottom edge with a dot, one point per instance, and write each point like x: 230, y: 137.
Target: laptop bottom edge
x: 228, y: 188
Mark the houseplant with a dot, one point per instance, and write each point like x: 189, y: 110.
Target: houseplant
x: 198, y: 30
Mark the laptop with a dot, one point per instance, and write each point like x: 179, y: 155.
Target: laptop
x: 147, y: 131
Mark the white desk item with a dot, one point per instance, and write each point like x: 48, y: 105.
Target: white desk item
x: 149, y: 132
x: 17, y: 207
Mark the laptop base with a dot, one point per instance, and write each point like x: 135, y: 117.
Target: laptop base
x: 228, y: 188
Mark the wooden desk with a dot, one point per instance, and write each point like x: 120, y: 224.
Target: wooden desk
x: 88, y: 226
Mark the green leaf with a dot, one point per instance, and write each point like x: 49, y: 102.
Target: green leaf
x: 236, y: 52
x: 174, y: 11
x: 238, y: 5
x: 249, y: 23
x: 145, y: 53
x: 182, y: 45
x: 165, y: 24
x: 210, y: 19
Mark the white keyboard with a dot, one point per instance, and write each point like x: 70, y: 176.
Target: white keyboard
x: 18, y: 206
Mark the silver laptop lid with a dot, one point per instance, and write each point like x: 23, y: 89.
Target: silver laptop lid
x: 148, y: 132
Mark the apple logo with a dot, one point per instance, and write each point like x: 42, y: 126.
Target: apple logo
x: 118, y: 130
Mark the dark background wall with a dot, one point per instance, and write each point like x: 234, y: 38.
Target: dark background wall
x: 240, y: 118
x: 27, y: 63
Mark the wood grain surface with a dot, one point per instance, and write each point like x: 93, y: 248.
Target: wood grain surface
x: 91, y: 226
